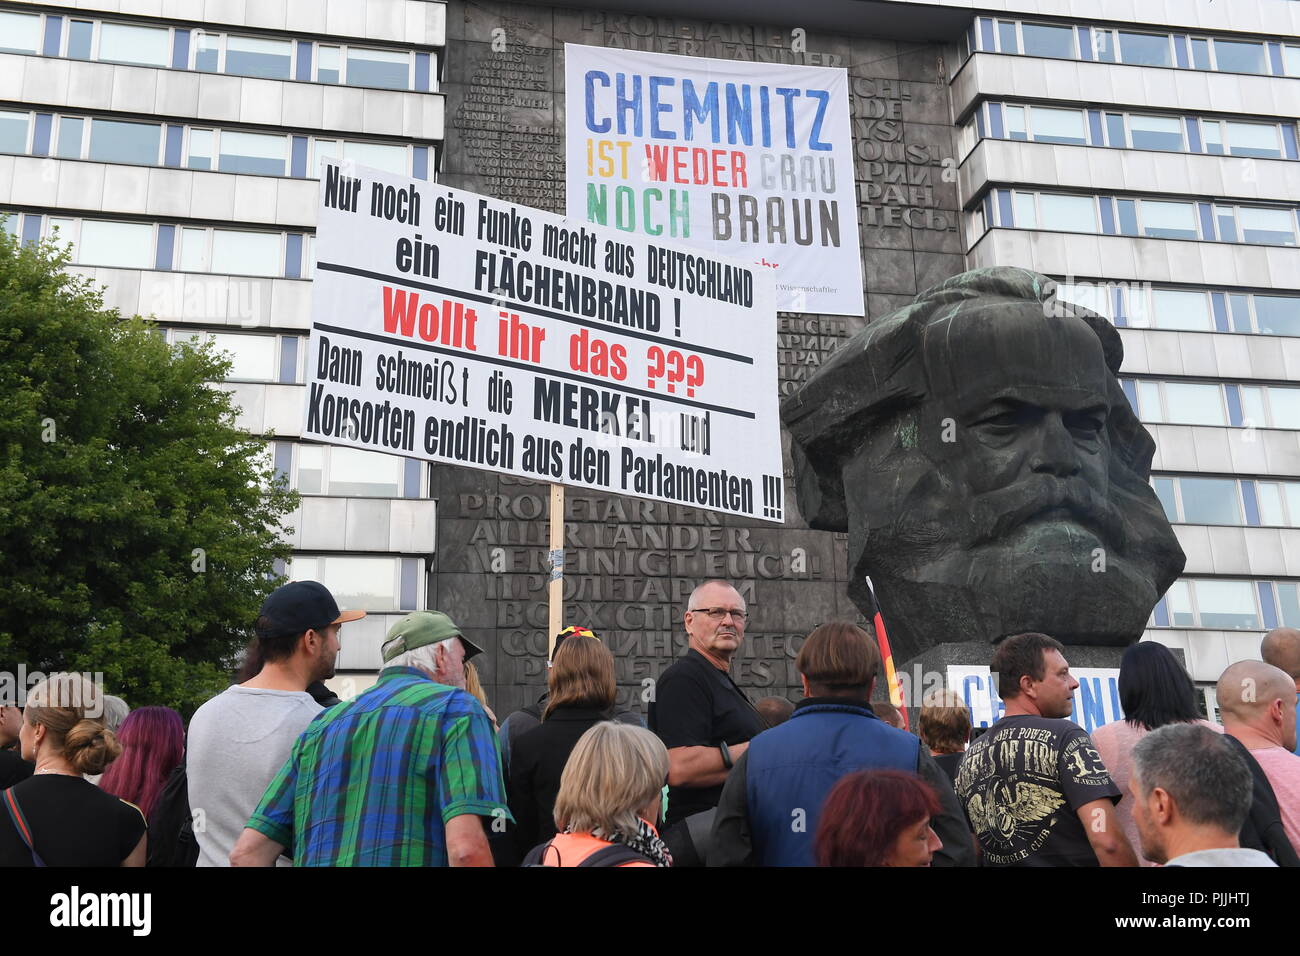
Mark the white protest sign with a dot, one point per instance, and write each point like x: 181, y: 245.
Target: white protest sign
x: 1096, y: 699
x: 753, y: 160
x: 462, y: 329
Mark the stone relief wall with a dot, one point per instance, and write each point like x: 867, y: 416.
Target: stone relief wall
x: 631, y: 564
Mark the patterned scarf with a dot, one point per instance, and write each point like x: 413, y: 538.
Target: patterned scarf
x: 645, y: 841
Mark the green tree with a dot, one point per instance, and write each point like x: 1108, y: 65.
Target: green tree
x: 138, y: 526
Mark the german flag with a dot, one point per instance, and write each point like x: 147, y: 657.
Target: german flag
x: 891, y: 675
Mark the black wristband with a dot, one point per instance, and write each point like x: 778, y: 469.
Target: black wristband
x: 726, y: 755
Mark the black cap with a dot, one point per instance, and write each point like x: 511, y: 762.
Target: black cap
x: 301, y: 606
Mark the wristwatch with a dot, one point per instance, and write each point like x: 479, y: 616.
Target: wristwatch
x: 726, y: 755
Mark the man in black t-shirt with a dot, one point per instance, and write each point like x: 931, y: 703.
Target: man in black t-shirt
x: 1035, y: 791
x: 699, y: 713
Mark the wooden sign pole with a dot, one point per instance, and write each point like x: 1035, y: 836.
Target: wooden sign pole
x: 555, y: 590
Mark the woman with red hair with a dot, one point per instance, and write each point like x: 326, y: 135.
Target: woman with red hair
x: 153, y: 742
x: 877, y: 818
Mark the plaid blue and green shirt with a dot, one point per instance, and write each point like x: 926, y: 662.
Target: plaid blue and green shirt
x: 372, y: 782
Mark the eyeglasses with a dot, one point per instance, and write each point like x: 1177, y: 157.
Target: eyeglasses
x: 719, y: 613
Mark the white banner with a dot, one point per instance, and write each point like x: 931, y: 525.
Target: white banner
x: 1096, y: 699
x: 457, y: 328
x: 752, y: 160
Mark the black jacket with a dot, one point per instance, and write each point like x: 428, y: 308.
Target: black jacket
x: 537, y: 759
x: 1263, y: 829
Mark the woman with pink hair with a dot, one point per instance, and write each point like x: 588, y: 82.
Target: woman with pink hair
x: 153, y: 742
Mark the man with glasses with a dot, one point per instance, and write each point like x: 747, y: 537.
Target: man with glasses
x: 703, y: 718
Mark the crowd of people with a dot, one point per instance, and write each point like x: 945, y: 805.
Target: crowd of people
x: 417, y: 771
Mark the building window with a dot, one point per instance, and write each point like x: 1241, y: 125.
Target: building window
x: 96, y: 242
x: 364, y: 583
x: 253, y: 358
x: 258, y: 153
x: 80, y: 35
x: 1175, y: 309
x: 243, y: 56
x: 125, y: 43
x: 199, y: 152
x: 13, y: 130
x: 1025, y: 210
x: 382, y: 68
x: 1240, y: 56
x: 115, y: 142
x: 1181, y: 403
x: 20, y: 32
x: 1279, y: 503
x: 1041, y: 39
x: 349, y: 472
x: 231, y: 252
x: 1229, y: 605
x: 1169, y: 220
x: 1058, y: 126
x: 1267, y: 226
x: 1210, y: 501
x: 68, y: 143
x: 1068, y: 213
x: 393, y: 159
x: 1145, y: 49
x: 1092, y: 296
x: 1008, y: 37
x: 252, y: 56
x: 1277, y: 314
x: 1254, y: 139
x: 1156, y: 132
x: 236, y: 252
x: 327, y: 64
x: 1291, y: 60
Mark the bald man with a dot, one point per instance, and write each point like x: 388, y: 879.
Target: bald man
x: 1281, y: 648
x: 1257, y: 703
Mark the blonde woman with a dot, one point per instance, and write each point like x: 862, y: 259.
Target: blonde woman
x: 56, y: 817
x: 474, y: 687
x: 609, y: 801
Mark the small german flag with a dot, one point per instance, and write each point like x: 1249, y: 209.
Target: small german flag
x: 891, y: 675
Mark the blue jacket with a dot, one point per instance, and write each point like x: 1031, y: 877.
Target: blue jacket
x: 792, y: 768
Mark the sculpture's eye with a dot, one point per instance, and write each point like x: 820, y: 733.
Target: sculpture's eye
x: 1087, y: 423
x: 1001, y: 419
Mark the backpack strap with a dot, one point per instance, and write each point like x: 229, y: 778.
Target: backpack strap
x: 20, y: 824
x: 537, y: 855
x: 614, y: 855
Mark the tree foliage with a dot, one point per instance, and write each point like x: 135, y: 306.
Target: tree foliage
x: 138, y: 526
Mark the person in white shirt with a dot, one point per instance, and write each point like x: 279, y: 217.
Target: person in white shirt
x: 239, y: 739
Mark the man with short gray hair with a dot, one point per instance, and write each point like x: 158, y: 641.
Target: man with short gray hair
x: 701, y: 714
x: 398, y: 776
x: 1191, y: 793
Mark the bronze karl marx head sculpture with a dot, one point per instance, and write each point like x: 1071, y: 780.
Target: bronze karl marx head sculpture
x: 991, y: 475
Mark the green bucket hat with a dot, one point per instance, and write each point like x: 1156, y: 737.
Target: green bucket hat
x: 420, y: 628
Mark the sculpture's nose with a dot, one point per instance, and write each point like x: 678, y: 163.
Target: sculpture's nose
x: 1054, y: 452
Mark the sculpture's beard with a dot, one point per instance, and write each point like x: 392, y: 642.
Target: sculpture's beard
x: 1046, y: 554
